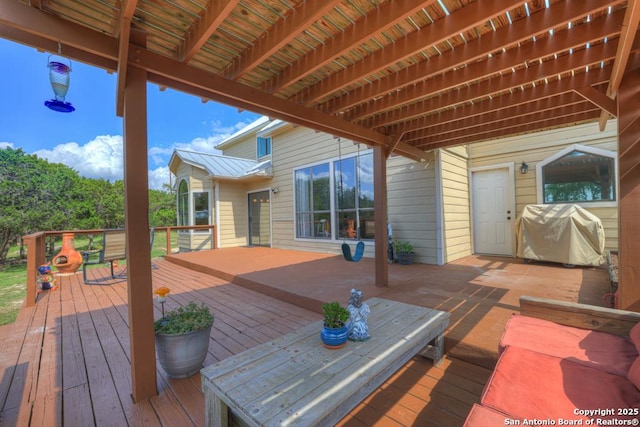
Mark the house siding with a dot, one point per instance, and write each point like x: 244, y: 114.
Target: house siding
x: 232, y: 215
x: 534, y: 148
x: 456, y: 226
x: 245, y: 148
x: 411, y: 201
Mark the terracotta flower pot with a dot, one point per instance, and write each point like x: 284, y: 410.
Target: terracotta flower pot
x: 68, y: 260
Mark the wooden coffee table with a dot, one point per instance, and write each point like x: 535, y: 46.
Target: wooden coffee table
x: 295, y: 380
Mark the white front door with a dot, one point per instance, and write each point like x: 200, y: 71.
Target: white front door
x: 493, y: 213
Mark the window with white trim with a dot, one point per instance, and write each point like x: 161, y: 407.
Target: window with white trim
x: 578, y: 174
x: 183, y: 203
x: 334, y: 200
x: 201, y: 208
x: 313, y: 202
x: 263, y: 146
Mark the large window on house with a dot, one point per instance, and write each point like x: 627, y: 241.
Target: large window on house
x: 313, y: 202
x: 579, y: 174
x: 201, y: 208
x: 264, y: 146
x: 335, y: 200
x: 183, y: 203
x: 354, y: 197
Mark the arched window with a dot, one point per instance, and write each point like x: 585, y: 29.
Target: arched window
x: 183, y: 203
x: 578, y: 174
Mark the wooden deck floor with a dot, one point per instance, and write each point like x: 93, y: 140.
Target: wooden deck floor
x: 66, y: 361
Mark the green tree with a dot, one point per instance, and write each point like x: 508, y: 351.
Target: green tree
x: 34, y: 195
x: 162, y: 208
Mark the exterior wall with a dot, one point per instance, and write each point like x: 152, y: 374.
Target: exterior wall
x: 534, y: 148
x: 244, y: 148
x: 232, y: 214
x: 411, y: 201
x: 456, y: 220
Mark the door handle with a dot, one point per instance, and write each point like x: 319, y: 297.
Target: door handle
x: 508, y: 212
x: 508, y: 217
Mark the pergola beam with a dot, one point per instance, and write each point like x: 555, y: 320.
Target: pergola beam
x: 481, y: 130
x: 124, y: 31
x: 380, y: 20
x: 526, y: 54
x: 206, y: 85
x: 525, y: 128
x: 414, y: 43
x: 496, y: 116
x: 627, y: 37
x: 214, y: 15
x: 553, y: 17
x: 600, y: 99
x: 287, y: 29
x: 50, y: 27
x: 578, y: 61
x: 514, y: 99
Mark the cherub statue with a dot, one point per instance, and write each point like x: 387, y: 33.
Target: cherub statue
x: 358, y: 313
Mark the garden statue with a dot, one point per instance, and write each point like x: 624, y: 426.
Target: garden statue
x: 45, y: 278
x: 358, y: 313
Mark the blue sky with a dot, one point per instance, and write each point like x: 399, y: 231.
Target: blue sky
x: 90, y: 139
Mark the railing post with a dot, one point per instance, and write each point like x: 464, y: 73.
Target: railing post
x: 168, y: 240
x: 35, y: 258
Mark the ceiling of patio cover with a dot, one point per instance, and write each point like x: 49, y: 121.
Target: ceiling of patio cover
x: 564, y: 233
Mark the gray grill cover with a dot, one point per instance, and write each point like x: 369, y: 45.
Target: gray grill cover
x: 564, y: 233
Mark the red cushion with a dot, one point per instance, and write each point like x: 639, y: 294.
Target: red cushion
x: 484, y: 417
x: 634, y: 335
x: 526, y: 384
x: 634, y: 373
x: 608, y: 352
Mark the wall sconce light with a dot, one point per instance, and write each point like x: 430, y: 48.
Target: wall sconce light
x: 524, y: 168
x: 275, y: 190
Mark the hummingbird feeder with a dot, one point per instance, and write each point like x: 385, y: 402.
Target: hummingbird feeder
x: 59, y: 79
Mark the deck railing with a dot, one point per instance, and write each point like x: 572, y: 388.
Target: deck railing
x: 36, y: 250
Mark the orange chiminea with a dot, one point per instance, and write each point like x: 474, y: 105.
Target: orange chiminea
x: 68, y: 259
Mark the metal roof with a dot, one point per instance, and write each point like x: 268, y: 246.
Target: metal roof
x: 226, y: 167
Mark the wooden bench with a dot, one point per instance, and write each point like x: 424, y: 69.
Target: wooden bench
x: 114, y: 248
x: 294, y: 380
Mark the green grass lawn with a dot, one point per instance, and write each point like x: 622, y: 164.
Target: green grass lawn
x: 12, y: 292
x: 13, y: 278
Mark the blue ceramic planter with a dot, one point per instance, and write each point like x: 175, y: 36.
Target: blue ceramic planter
x: 334, y: 338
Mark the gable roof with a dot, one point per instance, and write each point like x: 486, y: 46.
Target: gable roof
x: 222, y: 167
x: 253, y: 127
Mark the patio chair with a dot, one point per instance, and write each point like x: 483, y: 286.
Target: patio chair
x: 114, y: 247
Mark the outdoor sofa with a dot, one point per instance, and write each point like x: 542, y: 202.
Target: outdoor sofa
x: 564, y: 364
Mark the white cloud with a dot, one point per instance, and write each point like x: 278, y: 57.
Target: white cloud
x: 102, y: 157
x: 99, y: 158
x: 6, y: 144
x: 158, y: 177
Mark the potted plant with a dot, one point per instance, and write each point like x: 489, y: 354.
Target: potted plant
x: 335, y: 331
x: 404, y: 252
x: 182, y: 337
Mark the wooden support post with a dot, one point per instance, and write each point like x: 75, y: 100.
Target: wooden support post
x: 629, y: 172
x: 380, y: 214
x: 35, y: 258
x: 136, y: 189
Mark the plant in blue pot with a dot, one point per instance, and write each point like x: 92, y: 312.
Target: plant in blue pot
x: 335, y: 332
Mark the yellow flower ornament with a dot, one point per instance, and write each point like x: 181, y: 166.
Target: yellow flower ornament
x: 161, y: 293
